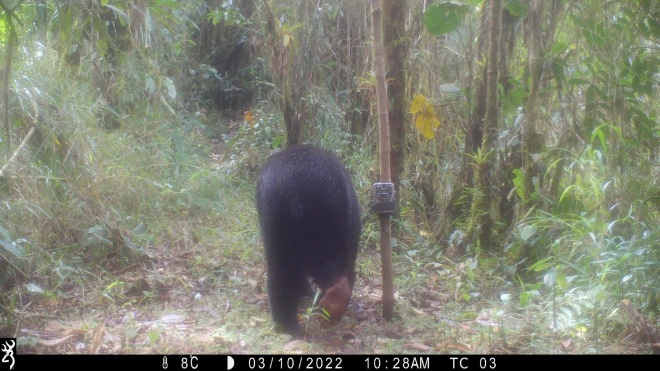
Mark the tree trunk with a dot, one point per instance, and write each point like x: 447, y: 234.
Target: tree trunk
x: 384, y: 160
x: 481, y: 223
x: 459, y: 201
x: 475, y: 127
x: 11, y: 40
x: 395, y: 42
x: 292, y: 78
x: 530, y: 138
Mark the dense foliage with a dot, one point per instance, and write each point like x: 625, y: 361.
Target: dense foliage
x: 530, y: 153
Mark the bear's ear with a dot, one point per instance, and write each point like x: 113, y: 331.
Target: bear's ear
x: 335, y: 300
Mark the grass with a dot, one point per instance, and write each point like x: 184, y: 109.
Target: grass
x: 147, y: 234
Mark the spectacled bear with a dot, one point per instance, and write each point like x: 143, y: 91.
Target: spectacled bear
x: 309, y: 216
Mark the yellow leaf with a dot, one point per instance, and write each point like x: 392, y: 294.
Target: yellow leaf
x: 430, y: 110
x: 426, y: 123
x: 418, y: 104
x: 426, y: 119
x: 248, y: 117
x: 286, y: 41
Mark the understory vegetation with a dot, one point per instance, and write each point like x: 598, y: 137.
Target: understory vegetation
x: 133, y: 131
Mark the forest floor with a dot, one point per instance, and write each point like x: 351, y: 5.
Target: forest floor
x: 205, y: 294
x: 206, y: 303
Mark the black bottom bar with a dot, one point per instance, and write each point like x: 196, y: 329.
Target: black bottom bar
x: 329, y: 362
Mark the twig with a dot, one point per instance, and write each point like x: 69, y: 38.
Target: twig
x: 2, y: 257
x: 9, y: 311
x: 4, y: 168
x: 647, y: 332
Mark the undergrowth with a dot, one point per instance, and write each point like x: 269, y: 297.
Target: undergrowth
x: 99, y: 188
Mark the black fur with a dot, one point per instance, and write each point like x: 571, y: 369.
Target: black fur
x: 309, y: 216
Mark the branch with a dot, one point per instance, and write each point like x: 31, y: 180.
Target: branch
x: 4, y: 168
x: 11, y: 12
x: 3, y: 257
x: 9, y: 311
x: 11, y: 37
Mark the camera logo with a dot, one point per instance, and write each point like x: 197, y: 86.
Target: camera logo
x: 7, y: 347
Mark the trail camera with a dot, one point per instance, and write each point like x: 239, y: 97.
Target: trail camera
x: 384, y: 201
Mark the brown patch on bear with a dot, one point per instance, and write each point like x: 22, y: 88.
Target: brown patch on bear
x: 335, y: 300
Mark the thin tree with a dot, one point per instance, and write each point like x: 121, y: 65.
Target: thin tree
x: 530, y: 138
x: 10, y: 42
x: 395, y: 42
x: 384, y: 159
x: 481, y: 223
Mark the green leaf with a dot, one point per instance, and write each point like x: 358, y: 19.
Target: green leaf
x: 26, y: 340
x: 151, y: 85
x: 470, y: 273
x: 578, y: 82
x: 562, y: 281
x: 112, y: 285
x: 72, y: 49
x: 535, y: 287
x: 153, y: 336
x: 102, y: 47
x: 277, y: 141
x: 524, y: 299
x: 515, y: 97
x: 518, y: 183
x: 10, y: 247
x: 566, y: 192
x: 654, y: 24
x: 140, y: 228
x: 559, y: 48
x: 171, y: 89
x: 526, y: 296
x: 550, y: 277
x: 5, y: 234
x: 527, y: 232
x: 518, y: 8
x: 444, y: 18
x: 558, y: 69
x: 541, y: 265
x: 170, y: 4
x: 598, y: 132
